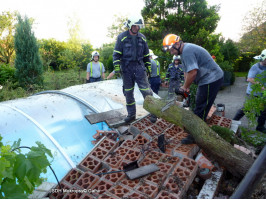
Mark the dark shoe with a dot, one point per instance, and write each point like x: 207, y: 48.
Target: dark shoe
x: 261, y: 129
x: 130, y: 118
x: 188, y: 140
x: 153, y: 118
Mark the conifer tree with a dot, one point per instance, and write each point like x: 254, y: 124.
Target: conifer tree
x: 29, y: 69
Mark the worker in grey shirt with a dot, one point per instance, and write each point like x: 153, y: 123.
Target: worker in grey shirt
x: 199, y: 67
x: 95, y: 69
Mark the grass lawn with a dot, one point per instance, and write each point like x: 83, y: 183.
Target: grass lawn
x: 241, y: 74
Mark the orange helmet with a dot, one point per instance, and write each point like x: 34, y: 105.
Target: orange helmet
x: 169, y: 40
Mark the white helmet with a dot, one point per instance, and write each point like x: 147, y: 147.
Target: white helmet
x: 176, y: 58
x: 262, y: 56
x: 152, y: 54
x: 94, y: 53
x: 134, y: 20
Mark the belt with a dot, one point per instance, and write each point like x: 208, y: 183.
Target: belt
x: 96, y: 78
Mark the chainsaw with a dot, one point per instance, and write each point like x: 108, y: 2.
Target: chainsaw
x: 185, y: 103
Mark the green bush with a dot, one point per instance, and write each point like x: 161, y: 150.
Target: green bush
x: 254, y: 138
x: 6, y: 73
x: 226, y: 66
x: 227, y: 134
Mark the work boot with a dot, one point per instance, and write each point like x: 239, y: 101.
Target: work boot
x: 153, y: 118
x: 130, y: 118
x: 188, y: 140
x: 261, y: 129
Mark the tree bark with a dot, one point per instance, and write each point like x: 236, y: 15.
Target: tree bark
x: 234, y: 160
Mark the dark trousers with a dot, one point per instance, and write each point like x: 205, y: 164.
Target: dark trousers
x: 155, y: 84
x: 205, y: 97
x: 92, y: 80
x: 261, y: 119
x: 134, y: 73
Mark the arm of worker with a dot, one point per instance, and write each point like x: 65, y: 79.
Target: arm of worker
x: 88, y: 77
x: 111, y: 75
x: 103, y: 75
x: 190, y: 77
x: 117, y: 54
x: 252, y: 75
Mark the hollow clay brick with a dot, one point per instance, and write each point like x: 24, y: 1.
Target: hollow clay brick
x: 156, y: 129
x: 101, y: 186
x: 162, y: 125
x: 147, y: 161
x: 90, y: 163
x: 163, y: 194
x: 129, y: 143
x: 166, y: 122
x: 114, y: 177
x: 87, y: 196
x: 184, y: 176
x: 188, y: 163
x: 119, y: 191
x: 169, y: 148
x: 148, y: 189
x: 59, y: 194
x: 156, y: 178
x: 108, y: 144
x: 121, y: 151
x: 173, y: 160
x: 113, y: 160
x: 146, y: 122
x: 72, y: 176
x: 132, y: 155
x: 87, y: 180
x: 99, y: 153
x: 188, y: 150
x: 135, y: 195
x: 141, y: 140
x: 107, y: 195
x: 173, y: 184
x: 181, y: 136
x: 139, y: 126
x: 155, y: 155
x: 130, y: 183
x: 73, y: 195
x: 164, y: 167
x: 150, y: 132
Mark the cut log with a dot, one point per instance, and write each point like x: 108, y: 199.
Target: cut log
x: 234, y: 160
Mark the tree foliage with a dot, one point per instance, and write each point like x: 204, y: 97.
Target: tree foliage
x: 117, y: 27
x: 28, y: 63
x: 193, y: 20
x: 20, y: 173
x: 7, y: 27
x: 254, y: 28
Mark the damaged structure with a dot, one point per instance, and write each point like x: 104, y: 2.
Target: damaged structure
x: 84, y: 148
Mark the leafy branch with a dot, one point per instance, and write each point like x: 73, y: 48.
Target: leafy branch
x: 20, y: 173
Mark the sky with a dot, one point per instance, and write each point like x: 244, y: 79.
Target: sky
x: 51, y: 16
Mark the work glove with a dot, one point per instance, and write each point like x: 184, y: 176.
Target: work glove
x: 87, y: 81
x: 117, y: 69
x: 149, y: 69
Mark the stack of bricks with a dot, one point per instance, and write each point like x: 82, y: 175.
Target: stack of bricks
x: 173, y: 179
x: 112, y: 135
x: 220, y: 121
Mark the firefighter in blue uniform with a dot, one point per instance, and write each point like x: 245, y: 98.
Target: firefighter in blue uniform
x: 174, y: 76
x: 154, y: 78
x: 131, y: 59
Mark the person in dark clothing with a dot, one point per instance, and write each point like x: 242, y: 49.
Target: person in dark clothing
x: 131, y: 58
x: 174, y: 76
x: 254, y: 71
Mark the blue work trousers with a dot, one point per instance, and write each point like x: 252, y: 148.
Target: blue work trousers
x: 155, y: 84
x: 134, y: 73
x: 92, y: 80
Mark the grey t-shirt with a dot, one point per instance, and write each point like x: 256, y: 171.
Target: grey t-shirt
x: 196, y: 57
x: 155, y: 69
x: 96, y: 69
x: 254, y: 71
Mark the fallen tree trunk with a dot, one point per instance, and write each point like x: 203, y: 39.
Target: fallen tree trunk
x: 234, y: 160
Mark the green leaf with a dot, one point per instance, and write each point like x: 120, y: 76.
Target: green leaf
x: 12, y: 191
x: 44, y: 149
x: 16, y: 144
x: 22, y: 166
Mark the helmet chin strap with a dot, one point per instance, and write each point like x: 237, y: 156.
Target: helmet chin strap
x: 133, y: 31
x: 178, y: 49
